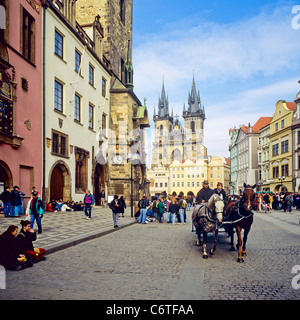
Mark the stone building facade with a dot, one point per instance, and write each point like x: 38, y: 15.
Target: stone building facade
x: 125, y: 163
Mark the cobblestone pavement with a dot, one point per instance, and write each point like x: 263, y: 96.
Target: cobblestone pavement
x: 64, y: 229
x: 160, y: 261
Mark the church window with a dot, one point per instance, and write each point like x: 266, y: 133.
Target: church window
x: 122, y: 10
x: 193, y: 126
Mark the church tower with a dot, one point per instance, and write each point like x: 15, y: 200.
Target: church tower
x: 116, y: 19
x: 194, y: 117
x: 163, y: 126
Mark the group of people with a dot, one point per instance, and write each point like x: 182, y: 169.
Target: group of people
x: 174, y: 206
x: 277, y: 201
x: 12, y: 201
x: 17, y: 251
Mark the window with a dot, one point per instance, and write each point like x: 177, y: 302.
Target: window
x: 58, y: 48
x: 91, y: 117
x: 276, y: 126
x: 275, y: 172
x: 122, y: 10
x: 103, y: 87
x: 77, y: 61
x: 193, y: 127
x: 104, y: 117
x: 285, y: 146
x: 58, y: 96
x: 275, y: 150
x: 27, y: 36
x: 77, y: 103
x: 59, y: 143
x: 285, y: 170
x: 91, y: 75
x: 282, y: 123
x: 299, y: 137
x: 81, y: 174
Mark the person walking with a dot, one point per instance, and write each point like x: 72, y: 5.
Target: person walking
x: 173, y: 208
x: 161, y: 209
x: 102, y: 197
x: 115, y: 208
x: 6, y: 198
x: 35, y: 210
x: 122, y: 206
x: 143, y: 204
x: 88, y: 201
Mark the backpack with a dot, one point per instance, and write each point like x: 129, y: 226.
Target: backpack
x: 88, y: 200
x: 184, y: 204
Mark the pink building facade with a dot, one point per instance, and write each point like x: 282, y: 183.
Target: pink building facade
x: 21, y: 160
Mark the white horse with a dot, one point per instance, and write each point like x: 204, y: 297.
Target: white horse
x: 205, y: 217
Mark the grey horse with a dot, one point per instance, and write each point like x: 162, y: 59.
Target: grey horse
x: 205, y: 218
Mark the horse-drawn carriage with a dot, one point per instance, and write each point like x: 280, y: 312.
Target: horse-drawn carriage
x: 214, y: 215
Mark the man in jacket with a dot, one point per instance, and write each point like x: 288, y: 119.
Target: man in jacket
x: 35, y: 210
x: 115, y: 208
x: 204, y: 194
x: 6, y: 198
x: 143, y: 204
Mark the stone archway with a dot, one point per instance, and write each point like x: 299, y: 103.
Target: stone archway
x: 6, y: 179
x: 60, y: 182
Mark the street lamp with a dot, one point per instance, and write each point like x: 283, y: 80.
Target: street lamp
x: 134, y: 159
x: 281, y: 179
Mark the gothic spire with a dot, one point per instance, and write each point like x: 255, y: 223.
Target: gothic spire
x: 129, y: 66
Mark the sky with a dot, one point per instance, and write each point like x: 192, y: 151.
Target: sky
x: 244, y: 56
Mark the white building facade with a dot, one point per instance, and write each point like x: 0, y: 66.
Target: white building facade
x: 76, y: 103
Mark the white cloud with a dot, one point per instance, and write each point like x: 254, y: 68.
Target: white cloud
x: 262, y: 51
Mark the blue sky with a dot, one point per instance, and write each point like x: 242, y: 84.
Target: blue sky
x: 245, y: 57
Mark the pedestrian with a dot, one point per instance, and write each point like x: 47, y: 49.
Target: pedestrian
x: 161, y: 209
x: 122, y: 206
x: 25, y: 238
x: 143, y: 204
x: 115, y: 208
x: 6, y: 198
x: 10, y: 256
x: 102, y: 197
x: 35, y: 210
x: 174, y: 208
x: 289, y: 202
x: 88, y: 201
x: 16, y: 201
x: 182, y: 205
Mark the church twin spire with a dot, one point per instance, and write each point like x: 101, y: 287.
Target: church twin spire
x: 195, y: 107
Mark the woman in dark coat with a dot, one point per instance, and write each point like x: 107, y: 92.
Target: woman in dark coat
x: 10, y: 254
x: 25, y: 238
x: 122, y: 206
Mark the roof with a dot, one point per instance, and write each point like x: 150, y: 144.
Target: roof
x: 261, y: 123
x: 291, y: 105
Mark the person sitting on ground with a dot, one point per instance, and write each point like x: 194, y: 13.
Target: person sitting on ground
x: 65, y: 207
x: 11, y: 257
x: 24, y: 239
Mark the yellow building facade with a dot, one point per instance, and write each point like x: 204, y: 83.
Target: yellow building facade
x: 188, y: 176
x: 219, y: 171
x: 281, y: 147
